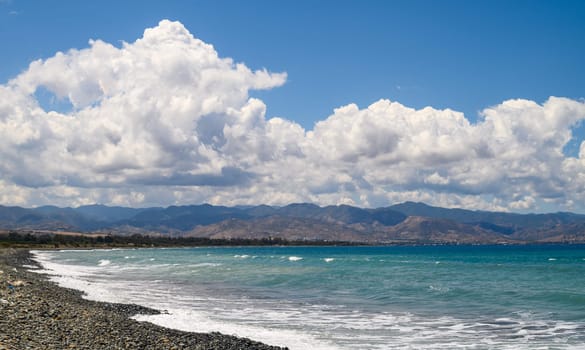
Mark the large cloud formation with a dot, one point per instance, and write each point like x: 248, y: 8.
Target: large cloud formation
x: 165, y: 120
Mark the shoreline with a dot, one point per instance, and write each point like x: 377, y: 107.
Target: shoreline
x: 36, y: 313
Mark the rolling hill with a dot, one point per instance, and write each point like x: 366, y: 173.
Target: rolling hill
x: 405, y: 223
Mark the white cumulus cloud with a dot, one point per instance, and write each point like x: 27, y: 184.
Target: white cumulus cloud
x: 166, y: 120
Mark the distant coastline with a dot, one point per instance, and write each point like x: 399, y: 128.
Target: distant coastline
x: 24, y: 239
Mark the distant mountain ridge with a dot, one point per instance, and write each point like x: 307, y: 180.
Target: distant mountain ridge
x: 512, y: 221
x: 407, y: 222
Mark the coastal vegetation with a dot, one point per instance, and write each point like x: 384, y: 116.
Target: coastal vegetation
x: 35, y: 240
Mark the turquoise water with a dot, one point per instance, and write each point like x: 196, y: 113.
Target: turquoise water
x: 472, y: 297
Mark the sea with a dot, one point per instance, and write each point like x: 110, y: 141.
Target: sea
x: 427, y: 297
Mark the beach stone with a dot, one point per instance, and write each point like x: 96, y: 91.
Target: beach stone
x: 37, y: 314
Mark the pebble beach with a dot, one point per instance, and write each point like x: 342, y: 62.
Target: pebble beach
x: 37, y: 314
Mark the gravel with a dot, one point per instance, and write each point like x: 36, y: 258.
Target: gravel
x: 37, y: 314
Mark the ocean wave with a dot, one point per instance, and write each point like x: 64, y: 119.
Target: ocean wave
x: 104, y: 262
x: 207, y: 264
x: 31, y: 267
x: 287, y: 322
x: 191, y: 321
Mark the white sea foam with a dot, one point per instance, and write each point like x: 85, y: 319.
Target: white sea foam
x: 78, y: 250
x: 329, y: 259
x: 440, y: 289
x: 179, y: 306
x: 196, y: 321
x: 104, y: 262
x: 32, y: 267
x: 206, y: 265
x: 75, y: 277
x: 280, y: 322
x: 294, y: 258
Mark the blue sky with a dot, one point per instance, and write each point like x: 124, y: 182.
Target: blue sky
x: 459, y: 55
x: 463, y: 55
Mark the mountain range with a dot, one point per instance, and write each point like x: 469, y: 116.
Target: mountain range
x: 405, y: 223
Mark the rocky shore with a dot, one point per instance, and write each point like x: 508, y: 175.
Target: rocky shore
x: 37, y: 314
